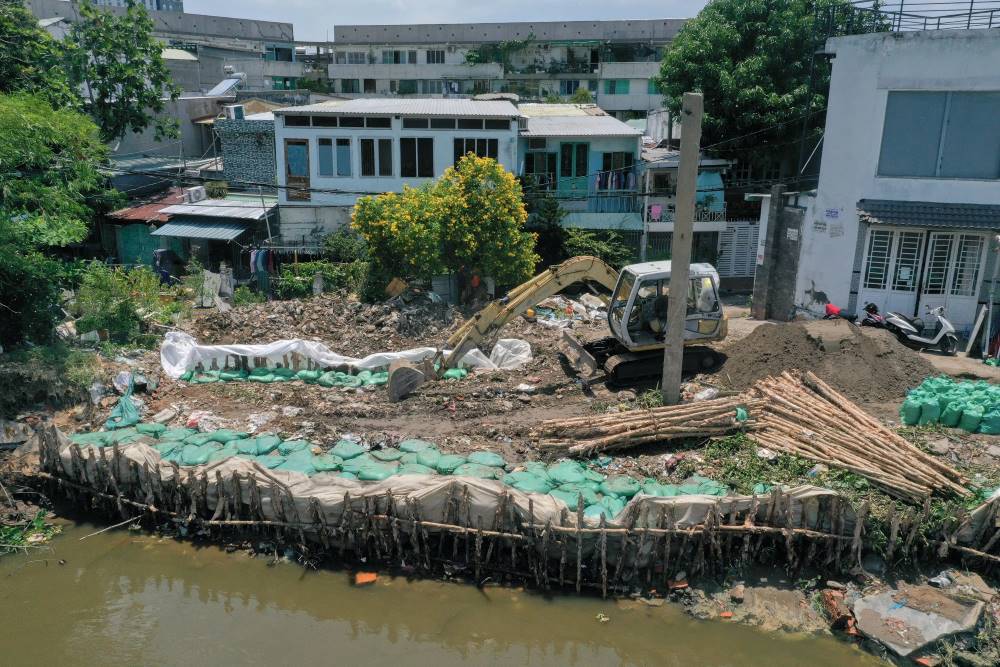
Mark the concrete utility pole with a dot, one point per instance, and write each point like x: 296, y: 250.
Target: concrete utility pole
x: 680, y: 246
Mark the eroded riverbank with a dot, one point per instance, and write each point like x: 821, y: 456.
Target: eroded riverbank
x: 131, y: 598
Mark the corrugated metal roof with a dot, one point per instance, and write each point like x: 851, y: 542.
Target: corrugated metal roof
x: 178, y: 54
x: 152, y: 211
x: 670, y: 158
x: 578, y: 126
x: 189, y: 229
x: 410, y: 107
x: 222, y: 208
x: 930, y: 214
x: 538, y: 110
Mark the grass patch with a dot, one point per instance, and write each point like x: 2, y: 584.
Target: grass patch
x: 26, y: 535
x: 738, y: 465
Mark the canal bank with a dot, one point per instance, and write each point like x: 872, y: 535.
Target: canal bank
x: 128, y: 598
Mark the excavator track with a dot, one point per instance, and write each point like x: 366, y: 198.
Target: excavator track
x: 627, y: 367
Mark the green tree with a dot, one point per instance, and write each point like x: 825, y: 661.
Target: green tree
x: 545, y: 217
x: 582, y: 96
x: 119, y: 66
x: 472, y: 217
x: 750, y: 60
x: 30, y: 60
x: 50, y: 185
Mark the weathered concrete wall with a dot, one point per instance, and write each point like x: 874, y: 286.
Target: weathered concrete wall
x: 247, y: 150
x: 472, y: 33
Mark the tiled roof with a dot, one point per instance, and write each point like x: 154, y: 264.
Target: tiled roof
x: 410, y: 107
x: 929, y: 214
x: 578, y: 126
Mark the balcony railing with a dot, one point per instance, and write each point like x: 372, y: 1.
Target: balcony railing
x: 868, y: 16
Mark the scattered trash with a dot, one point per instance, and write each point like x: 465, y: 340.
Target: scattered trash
x: 164, y: 415
x: 121, y: 381
x: 365, y: 578
x: 602, y: 618
x: 525, y: 388
x: 940, y: 581
x: 706, y: 394
x: 258, y: 419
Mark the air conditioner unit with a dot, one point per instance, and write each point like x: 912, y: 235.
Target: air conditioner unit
x: 234, y: 111
x: 228, y: 69
x: 195, y: 194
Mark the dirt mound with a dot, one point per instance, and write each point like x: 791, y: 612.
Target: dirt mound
x: 346, y: 325
x: 865, y: 364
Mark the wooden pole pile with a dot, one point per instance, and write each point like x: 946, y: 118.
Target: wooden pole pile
x: 804, y: 416
x: 584, y: 436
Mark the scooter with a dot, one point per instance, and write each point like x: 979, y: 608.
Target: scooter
x: 910, y: 331
x: 872, y: 317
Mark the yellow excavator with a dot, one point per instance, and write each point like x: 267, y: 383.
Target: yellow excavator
x: 637, y: 318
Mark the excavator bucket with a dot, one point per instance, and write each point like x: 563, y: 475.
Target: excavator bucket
x: 582, y: 361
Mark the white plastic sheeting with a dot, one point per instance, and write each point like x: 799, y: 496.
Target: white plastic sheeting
x: 180, y: 353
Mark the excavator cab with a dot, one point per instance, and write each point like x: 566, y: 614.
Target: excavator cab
x: 637, y: 315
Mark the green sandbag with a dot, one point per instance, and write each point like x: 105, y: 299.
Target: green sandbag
x: 355, y: 463
x: 287, y: 373
x: 589, y: 495
x: 227, y: 451
x: 971, y: 417
x: 198, y: 439
x: 224, y: 435
x: 475, y: 470
x: 613, y: 505
x: 195, y: 455
x: 122, y: 436
x: 567, y: 472
x: 415, y: 469
x: 167, y: 448
x: 595, y: 512
x: 711, y: 488
x: 408, y: 459
x: 651, y: 487
x: 150, y: 429
x: 264, y: 378
x: 414, y: 445
x: 347, y: 449
x: 348, y: 475
x: 990, y: 424
x: 527, y: 482
x: 620, y: 486
x: 308, y: 376
x: 98, y: 439
x: 569, y: 497
x: 455, y: 374
x: 428, y: 457
x: 186, y: 376
x: 269, y: 461
x: 446, y: 464
x: 374, y: 472
x: 260, y: 371
x: 539, y: 469
x: 176, y: 434
x: 760, y: 488
x: 387, y: 454
x: 206, y: 377
x: 327, y: 380
x: 292, y: 446
x: 487, y: 459
x: 909, y: 412
x: 259, y: 446
x: 300, y: 461
x: 594, y: 476
x: 369, y: 378
x: 233, y: 376
x: 124, y: 414
x: 689, y: 489
x: 930, y: 412
x: 326, y: 462
x: 952, y: 414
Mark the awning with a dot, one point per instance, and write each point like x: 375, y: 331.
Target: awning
x: 215, y: 230
x: 929, y: 214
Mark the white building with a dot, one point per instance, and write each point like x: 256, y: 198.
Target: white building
x: 615, y: 60
x: 908, y: 198
x: 331, y: 153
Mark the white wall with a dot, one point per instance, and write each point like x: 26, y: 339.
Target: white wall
x: 865, y: 69
x: 444, y: 157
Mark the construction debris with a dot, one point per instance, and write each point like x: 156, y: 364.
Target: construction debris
x: 804, y: 416
x: 585, y: 436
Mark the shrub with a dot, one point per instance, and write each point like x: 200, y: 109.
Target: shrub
x: 606, y: 244
x: 295, y: 280
x: 216, y: 189
x: 344, y: 246
x: 118, y: 300
x: 243, y: 296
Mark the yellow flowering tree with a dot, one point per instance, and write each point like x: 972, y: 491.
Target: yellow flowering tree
x: 472, y: 217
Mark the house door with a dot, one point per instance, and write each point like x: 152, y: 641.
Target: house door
x: 297, y: 169
x: 136, y: 244
x: 573, y: 163
x: 953, y: 275
x: 892, y: 269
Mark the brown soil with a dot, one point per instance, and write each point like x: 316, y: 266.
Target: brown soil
x: 868, y: 365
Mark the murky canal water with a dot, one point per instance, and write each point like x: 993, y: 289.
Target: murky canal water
x: 128, y: 599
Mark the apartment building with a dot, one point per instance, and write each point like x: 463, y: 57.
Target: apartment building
x: 614, y: 60
x: 151, y: 5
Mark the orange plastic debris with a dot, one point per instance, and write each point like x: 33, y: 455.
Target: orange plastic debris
x: 926, y: 661
x: 365, y: 578
x: 726, y: 614
x: 678, y: 585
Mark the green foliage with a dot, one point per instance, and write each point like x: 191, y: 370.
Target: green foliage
x: 118, y: 300
x: 741, y: 468
x: 21, y: 536
x: 545, y: 217
x: 473, y: 216
x: 30, y: 59
x: 751, y: 62
x: 243, y: 296
x: 649, y: 399
x: 194, y: 279
x: 582, y: 96
x: 120, y: 64
x: 497, y: 52
x: 344, y: 246
x: 50, y: 184
x: 553, y: 98
x: 296, y: 280
x: 216, y: 189
x: 605, y: 244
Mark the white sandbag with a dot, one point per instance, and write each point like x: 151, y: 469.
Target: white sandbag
x: 510, y: 353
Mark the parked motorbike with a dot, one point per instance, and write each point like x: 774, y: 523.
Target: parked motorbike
x: 910, y: 331
x: 872, y: 317
x: 834, y: 312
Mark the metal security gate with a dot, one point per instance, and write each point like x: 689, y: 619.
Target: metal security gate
x: 738, y: 249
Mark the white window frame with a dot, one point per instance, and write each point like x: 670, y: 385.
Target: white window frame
x: 334, y: 159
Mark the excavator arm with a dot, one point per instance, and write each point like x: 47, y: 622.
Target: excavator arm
x: 486, y: 323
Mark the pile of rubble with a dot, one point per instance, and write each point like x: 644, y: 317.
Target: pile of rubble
x: 346, y: 325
